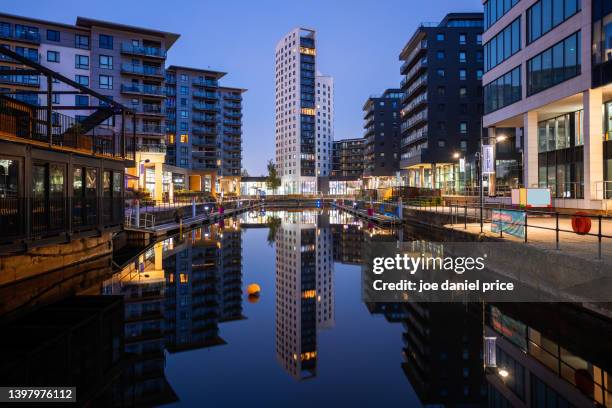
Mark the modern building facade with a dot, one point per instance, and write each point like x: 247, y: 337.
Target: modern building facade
x: 442, y: 102
x: 381, y: 116
x: 347, y: 166
x: 303, y: 114
x: 552, y: 88
x: 204, y: 129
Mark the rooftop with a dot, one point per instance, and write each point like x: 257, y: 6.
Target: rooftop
x: 216, y: 74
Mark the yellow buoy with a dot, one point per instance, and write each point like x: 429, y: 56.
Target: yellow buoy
x: 253, y: 289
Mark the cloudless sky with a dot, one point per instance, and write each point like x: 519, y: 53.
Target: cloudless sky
x: 358, y: 43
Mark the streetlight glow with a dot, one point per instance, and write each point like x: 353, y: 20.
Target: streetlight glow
x: 503, y: 372
x: 501, y: 138
x: 456, y: 155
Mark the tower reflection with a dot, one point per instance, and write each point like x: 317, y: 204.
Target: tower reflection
x: 304, y: 289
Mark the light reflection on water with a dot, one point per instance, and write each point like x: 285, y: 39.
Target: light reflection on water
x: 177, y: 327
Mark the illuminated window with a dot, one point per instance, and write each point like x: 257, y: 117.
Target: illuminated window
x: 307, y: 51
x: 184, y: 278
x: 308, y: 111
x: 184, y: 138
x: 171, y: 138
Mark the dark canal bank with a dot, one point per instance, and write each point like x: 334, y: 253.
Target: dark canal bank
x: 175, y: 326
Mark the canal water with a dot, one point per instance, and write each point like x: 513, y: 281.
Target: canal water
x: 175, y: 325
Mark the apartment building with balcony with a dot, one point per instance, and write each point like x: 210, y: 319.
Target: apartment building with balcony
x: 552, y: 88
x: 441, y: 108
x: 303, y: 115
x: 204, y: 129
x: 381, y: 114
x: 347, y: 166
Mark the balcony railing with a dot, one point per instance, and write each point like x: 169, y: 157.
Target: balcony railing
x: 142, y: 89
x: 204, y: 118
x: 157, y: 52
x: 206, y: 95
x: 150, y: 109
x: 24, y: 80
x: 206, y: 106
x: 232, y: 122
x: 213, y: 83
x: 146, y: 129
x: 28, y: 36
x: 422, y: 45
x: 152, y: 148
x: 145, y: 70
x: 233, y: 97
x: 205, y: 130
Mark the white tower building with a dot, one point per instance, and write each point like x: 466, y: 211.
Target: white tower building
x: 300, y: 156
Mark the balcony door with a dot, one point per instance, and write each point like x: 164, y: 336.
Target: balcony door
x: 48, y: 198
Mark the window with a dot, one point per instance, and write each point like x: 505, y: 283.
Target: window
x: 81, y: 41
x: 82, y: 79
x: 26, y: 32
x: 106, y: 41
x: 479, y: 74
x: 106, y: 82
x: 106, y: 62
x: 463, y: 127
x: 503, y: 91
x: 184, y: 126
x: 81, y: 62
x: 495, y: 9
x: 556, y: 64
x: 53, y: 35
x: 479, y: 39
x: 55, y: 98
x: 440, y: 37
x: 462, y: 39
x: 440, y: 55
x: 503, y: 45
x: 81, y: 100
x: 184, y: 114
x: 463, y: 92
x: 545, y: 15
x: 184, y: 138
x: 463, y: 144
x: 462, y: 74
x: 441, y: 91
x: 441, y: 143
x: 441, y: 72
x: 462, y: 56
x: 184, y: 77
x: 53, y: 56
x: 184, y: 90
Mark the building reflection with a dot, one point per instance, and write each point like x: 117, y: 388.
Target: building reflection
x: 548, y: 355
x: 304, y: 289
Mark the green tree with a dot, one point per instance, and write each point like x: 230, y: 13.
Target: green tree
x: 274, y: 224
x: 273, y: 181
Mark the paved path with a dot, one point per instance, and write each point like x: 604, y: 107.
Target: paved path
x: 541, y: 232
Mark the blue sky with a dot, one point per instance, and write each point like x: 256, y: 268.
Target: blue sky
x: 358, y: 44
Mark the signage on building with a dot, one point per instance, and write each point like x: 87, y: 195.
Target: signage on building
x: 488, y: 164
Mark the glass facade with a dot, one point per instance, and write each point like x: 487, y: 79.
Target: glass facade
x: 560, y: 155
x: 503, y: 91
x: 545, y: 15
x: 558, y: 63
x: 503, y: 45
x: 495, y: 9
x: 602, y: 42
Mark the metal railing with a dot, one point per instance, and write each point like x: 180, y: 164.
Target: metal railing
x: 36, y: 217
x: 555, y: 222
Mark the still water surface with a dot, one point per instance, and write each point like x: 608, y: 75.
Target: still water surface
x: 178, y: 328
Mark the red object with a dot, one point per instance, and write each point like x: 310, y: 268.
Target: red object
x: 581, y: 223
x: 221, y: 210
x: 370, y: 212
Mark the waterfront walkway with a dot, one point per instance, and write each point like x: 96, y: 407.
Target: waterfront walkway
x: 542, y: 230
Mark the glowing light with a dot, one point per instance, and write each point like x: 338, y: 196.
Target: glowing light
x: 503, y: 373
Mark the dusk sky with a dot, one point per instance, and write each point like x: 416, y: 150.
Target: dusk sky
x: 358, y: 43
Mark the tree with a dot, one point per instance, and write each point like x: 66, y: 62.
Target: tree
x: 272, y: 182
x: 274, y: 224
x: 244, y: 173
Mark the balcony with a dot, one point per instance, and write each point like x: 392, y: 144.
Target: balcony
x: 204, y: 118
x: 142, y: 89
x: 421, y: 46
x: 232, y: 105
x: 232, y: 131
x: 209, y: 83
x: 151, y: 148
x: 414, y: 120
x: 204, y: 130
x: 204, y: 154
x: 232, y: 97
x: 205, y: 142
x: 23, y: 80
x: 232, y: 114
x: 415, y: 136
x: 148, y: 129
x: 32, y: 37
x: 153, y: 52
x: 414, y: 103
x: 206, y: 95
x: 149, y: 109
x: 211, y: 107
x: 417, y: 85
x: 410, y: 75
x: 142, y: 70
x: 231, y: 122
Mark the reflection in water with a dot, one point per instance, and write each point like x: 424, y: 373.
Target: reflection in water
x: 174, y: 298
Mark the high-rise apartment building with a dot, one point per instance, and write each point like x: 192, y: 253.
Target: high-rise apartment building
x: 347, y: 158
x: 548, y: 82
x: 175, y: 149
x: 442, y: 105
x: 381, y: 116
x: 303, y: 113
x: 204, y: 128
